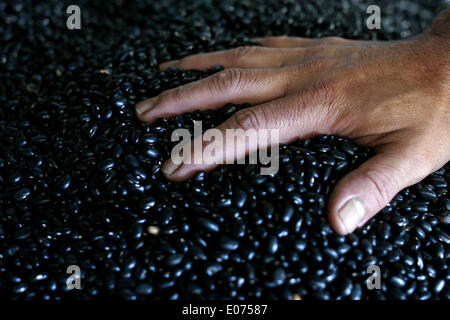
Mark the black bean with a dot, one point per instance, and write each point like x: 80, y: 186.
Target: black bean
x: 297, y: 199
x: 288, y: 212
x: 427, y: 194
x: 147, y: 203
x: 317, y: 283
x: 447, y: 203
x: 22, y: 194
x: 345, y: 286
x: 272, y: 244
x: 106, y: 165
x: 442, y: 236
x: 15, y: 177
x: 39, y: 277
x: 384, y: 230
x: 20, y: 288
x: 238, y: 228
x: 64, y: 182
x: 223, y: 203
x: 22, y: 234
x: 150, y: 138
x: 144, y: 289
x: 136, y: 231
x: 398, y: 281
x: 228, y: 243
x: 419, y: 233
x: 277, y: 279
x: 438, y: 286
x: 152, y: 152
x: 213, y: 268
x: 421, y: 207
x: 131, y: 161
x: 130, y: 262
x: 120, y: 102
x: 208, y: 225
x: 343, y: 248
x: 356, y: 292
x: 174, y: 260
x: 240, y: 197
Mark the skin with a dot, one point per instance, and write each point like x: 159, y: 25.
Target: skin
x: 392, y: 96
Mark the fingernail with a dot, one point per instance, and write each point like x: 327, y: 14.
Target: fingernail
x: 169, y: 167
x: 350, y: 215
x: 145, y: 105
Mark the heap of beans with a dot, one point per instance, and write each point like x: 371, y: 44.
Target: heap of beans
x: 80, y: 180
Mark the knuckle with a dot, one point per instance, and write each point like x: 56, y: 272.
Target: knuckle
x: 322, y: 92
x: 384, y: 185
x: 249, y: 119
x: 320, y: 104
x: 288, y: 76
x: 313, y: 65
x: 226, y: 80
x: 330, y: 40
x: 177, y: 94
x: 240, y: 54
x: 186, y: 61
x: 278, y: 39
x: 166, y: 96
x: 422, y: 159
x: 312, y: 52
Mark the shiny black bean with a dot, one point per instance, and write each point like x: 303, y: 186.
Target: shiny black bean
x: 174, y: 259
x: 22, y: 194
x: 239, y: 199
x: 228, y: 243
x: 64, y: 182
x: 208, y: 225
x: 144, y: 289
x: 106, y: 165
x: 147, y: 203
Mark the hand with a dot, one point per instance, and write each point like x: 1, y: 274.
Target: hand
x: 391, y: 96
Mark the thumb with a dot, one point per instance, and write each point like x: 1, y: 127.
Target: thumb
x: 369, y: 188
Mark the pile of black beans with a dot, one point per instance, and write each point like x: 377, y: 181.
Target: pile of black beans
x: 80, y: 180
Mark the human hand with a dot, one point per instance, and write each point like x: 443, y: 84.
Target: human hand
x: 391, y: 96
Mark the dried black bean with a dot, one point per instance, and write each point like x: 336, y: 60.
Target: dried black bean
x: 208, y: 225
x: 147, y: 203
x: 64, y: 182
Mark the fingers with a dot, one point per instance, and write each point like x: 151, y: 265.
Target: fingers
x: 284, y: 42
x: 230, y: 85
x: 241, y: 57
x: 369, y: 188
x: 298, y: 42
x: 269, y: 55
x: 255, y: 57
x: 260, y: 127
